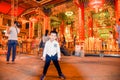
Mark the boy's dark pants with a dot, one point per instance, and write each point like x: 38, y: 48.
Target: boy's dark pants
x: 55, y: 62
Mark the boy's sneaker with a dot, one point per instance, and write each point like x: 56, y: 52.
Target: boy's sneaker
x: 42, y: 77
x: 62, y: 76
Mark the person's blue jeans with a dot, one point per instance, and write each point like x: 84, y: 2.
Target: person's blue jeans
x: 55, y: 62
x: 11, y: 46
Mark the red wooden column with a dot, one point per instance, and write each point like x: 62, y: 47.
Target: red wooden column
x: 90, y: 26
x: 117, y: 13
x: 117, y: 10
x: 31, y: 29
x: 46, y: 23
x: 81, y: 19
x: 62, y: 28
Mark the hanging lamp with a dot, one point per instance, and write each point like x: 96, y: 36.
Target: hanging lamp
x: 96, y: 4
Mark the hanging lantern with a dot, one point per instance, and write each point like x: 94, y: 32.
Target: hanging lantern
x: 96, y: 4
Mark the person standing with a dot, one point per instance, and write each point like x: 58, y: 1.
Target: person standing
x: 74, y: 40
x: 12, y: 40
x: 44, y: 39
x: 63, y: 41
x: 118, y: 30
x: 52, y: 52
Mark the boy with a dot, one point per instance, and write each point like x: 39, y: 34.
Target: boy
x: 52, y: 52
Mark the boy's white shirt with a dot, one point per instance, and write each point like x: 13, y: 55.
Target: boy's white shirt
x: 51, y: 48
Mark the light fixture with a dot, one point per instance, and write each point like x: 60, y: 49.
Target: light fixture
x: 4, y: 31
x: 68, y: 13
x: 96, y: 4
x: 33, y: 19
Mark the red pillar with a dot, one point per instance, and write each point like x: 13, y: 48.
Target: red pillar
x: 90, y: 26
x: 117, y: 13
x: 62, y: 28
x: 82, y: 33
x: 81, y: 19
x: 31, y: 30
x: 46, y: 23
x: 117, y: 10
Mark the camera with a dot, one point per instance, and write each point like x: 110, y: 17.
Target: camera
x: 17, y: 24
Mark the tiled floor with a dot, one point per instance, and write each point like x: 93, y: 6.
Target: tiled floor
x: 29, y: 67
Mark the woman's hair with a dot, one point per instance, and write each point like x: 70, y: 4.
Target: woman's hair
x: 17, y: 23
x: 46, y: 32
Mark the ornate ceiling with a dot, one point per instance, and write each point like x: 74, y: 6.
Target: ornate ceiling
x: 28, y: 7
x: 23, y: 6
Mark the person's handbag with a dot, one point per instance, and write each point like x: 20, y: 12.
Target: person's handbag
x: 42, y: 44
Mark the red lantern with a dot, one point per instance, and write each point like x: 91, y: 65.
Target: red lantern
x: 96, y: 3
